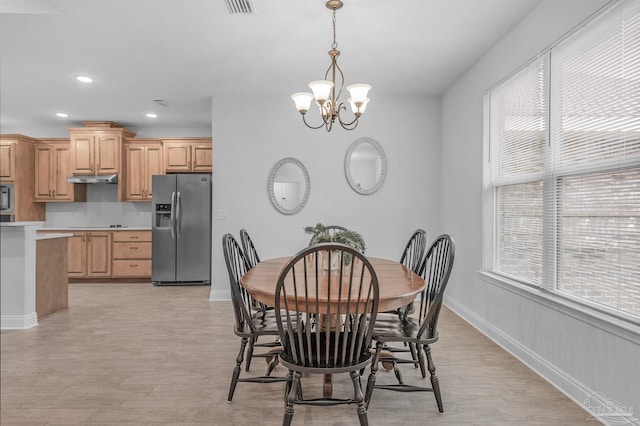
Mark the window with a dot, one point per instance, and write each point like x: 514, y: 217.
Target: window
x: 562, y: 177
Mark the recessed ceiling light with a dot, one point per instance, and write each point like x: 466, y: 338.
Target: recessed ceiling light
x: 62, y: 114
x: 84, y: 79
x: 152, y: 115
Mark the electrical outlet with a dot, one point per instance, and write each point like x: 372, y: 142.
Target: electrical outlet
x: 223, y: 214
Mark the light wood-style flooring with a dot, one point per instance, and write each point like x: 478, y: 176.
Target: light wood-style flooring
x: 140, y: 355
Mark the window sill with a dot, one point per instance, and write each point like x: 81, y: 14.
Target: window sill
x: 600, y: 319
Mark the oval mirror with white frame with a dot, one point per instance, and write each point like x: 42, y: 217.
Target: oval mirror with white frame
x: 365, y: 166
x: 289, y: 186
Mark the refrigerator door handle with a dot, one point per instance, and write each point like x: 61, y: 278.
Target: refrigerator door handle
x: 178, y: 216
x: 172, y: 219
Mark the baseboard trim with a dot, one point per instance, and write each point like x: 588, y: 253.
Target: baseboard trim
x: 219, y: 296
x: 18, y: 322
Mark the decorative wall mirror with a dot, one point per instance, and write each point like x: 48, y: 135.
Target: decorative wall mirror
x: 289, y: 186
x: 365, y: 166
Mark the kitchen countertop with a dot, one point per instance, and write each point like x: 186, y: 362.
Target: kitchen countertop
x: 22, y: 224
x: 51, y: 236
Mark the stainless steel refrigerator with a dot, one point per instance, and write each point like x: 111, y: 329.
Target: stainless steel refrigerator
x: 181, y: 231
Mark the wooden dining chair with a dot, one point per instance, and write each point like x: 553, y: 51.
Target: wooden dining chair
x: 249, y: 324
x: 412, y: 257
x: 320, y: 337
x: 251, y: 254
x: 249, y: 249
x: 421, y: 331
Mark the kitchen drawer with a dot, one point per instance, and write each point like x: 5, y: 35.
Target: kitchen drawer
x: 131, y: 236
x: 131, y: 268
x: 131, y: 250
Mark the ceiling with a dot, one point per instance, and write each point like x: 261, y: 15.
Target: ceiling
x: 186, y: 51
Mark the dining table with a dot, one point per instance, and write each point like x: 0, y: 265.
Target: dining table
x: 397, y: 285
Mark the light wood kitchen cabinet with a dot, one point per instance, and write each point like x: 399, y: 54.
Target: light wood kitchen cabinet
x: 131, y: 254
x: 188, y: 155
x: 96, y: 149
x: 8, y: 160
x: 17, y: 168
x: 90, y: 254
x: 52, y: 168
x: 143, y: 159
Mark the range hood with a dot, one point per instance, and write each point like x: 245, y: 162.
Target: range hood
x: 93, y: 179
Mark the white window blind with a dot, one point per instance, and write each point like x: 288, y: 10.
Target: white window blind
x: 595, y: 82
x: 565, y: 191
x: 518, y: 132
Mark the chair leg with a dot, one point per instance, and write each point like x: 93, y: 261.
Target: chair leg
x: 414, y: 353
x: 287, y: 386
x: 421, y: 352
x: 291, y: 397
x: 435, y: 384
x: 359, y: 398
x: 236, y: 369
x: 272, y: 364
x: 252, y: 342
x: 371, y: 381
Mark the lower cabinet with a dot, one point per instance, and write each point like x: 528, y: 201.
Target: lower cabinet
x: 108, y: 254
x: 131, y: 254
x: 90, y: 254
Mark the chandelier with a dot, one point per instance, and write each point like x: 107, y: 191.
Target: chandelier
x: 324, y: 91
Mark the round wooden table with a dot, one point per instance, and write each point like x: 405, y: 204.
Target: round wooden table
x: 397, y: 285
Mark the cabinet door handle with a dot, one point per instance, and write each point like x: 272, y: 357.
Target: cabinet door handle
x: 133, y: 248
x: 98, y: 167
x: 89, y: 237
x: 49, y: 193
x: 84, y: 238
x: 54, y: 193
x: 133, y: 237
x: 133, y: 265
x: 91, y: 167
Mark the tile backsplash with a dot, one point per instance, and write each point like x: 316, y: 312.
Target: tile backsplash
x: 101, y: 209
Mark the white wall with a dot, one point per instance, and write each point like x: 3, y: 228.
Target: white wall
x: 252, y: 133
x: 578, y: 355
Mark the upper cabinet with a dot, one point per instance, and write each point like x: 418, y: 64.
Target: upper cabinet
x: 96, y: 148
x: 17, y: 167
x: 8, y: 160
x: 143, y: 159
x: 188, y: 155
x: 52, y: 168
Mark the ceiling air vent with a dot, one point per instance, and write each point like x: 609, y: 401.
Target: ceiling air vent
x: 240, y: 7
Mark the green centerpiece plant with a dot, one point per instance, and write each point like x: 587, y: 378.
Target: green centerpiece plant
x: 322, y: 234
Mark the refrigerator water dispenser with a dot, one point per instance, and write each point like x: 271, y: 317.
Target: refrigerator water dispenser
x: 163, y: 216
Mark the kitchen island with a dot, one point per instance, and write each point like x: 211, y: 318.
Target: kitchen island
x: 33, y: 278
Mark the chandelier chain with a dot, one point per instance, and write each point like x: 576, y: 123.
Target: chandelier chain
x: 334, y: 45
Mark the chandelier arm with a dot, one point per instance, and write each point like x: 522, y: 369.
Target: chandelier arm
x: 312, y: 127
x: 347, y: 126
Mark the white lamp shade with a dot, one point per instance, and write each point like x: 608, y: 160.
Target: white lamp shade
x: 321, y: 90
x: 355, y: 109
x: 358, y: 92
x: 302, y: 100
